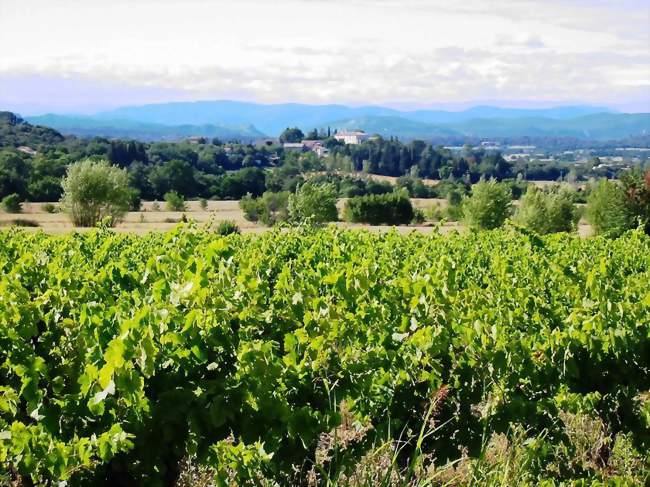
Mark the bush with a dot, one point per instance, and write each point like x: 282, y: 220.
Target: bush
x: 174, y: 201
x: 637, y: 192
x: 434, y: 212
x: 548, y: 211
x: 313, y: 202
x: 49, y: 208
x: 415, y: 187
x: 12, y: 203
x: 136, y: 201
x: 269, y: 209
x: 418, y: 216
x: 454, y: 210
x: 203, y: 203
x: 94, y: 190
x: 22, y: 222
x: 607, y: 209
x: 391, y: 209
x: 488, y: 206
x: 227, y: 227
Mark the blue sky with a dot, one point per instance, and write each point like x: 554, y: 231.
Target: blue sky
x: 88, y: 55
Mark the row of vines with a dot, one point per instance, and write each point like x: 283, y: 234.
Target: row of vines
x: 122, y: 356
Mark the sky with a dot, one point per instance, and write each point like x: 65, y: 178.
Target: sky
x: 83, y: 56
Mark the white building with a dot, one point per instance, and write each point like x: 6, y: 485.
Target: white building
x: 354, y: 137
x: 316, y: 146
x: 294, y: 146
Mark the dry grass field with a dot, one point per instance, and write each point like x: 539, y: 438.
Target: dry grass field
x: 148, y: 219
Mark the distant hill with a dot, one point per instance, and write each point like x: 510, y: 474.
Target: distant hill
x: 16, y: 132
x: 396, y: 126
x: 230, y: 120
x: 91, y: 126
x: 600, y: 126
x: 559, y: 113
x: 272, y: 119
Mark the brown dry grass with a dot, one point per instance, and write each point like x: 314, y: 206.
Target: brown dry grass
x: 148, y: 220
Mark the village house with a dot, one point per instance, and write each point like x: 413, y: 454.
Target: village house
x: 355, y: 137
x: 316, y: 146
x: 294, y: 147
x: 27, y: 150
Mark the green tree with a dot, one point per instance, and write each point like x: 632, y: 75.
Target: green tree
x: 313, y: 202
x: 174, y: 201
x: 175, y: 175
x: 376, y: 209
x: 93, y: 190
x: 637, y: 192
x: 269, y: 209
x: 13, y: 174
x: 608, y: 211
x: 12, y: 203
x: 548, y: 211
x: 488, y: 206
x: 293, y: 134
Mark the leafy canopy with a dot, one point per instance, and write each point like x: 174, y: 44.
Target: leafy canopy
x: 93, y: 190
x: 488, y: 206
x: 548, y: 211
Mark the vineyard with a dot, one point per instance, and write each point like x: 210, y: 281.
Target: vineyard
x: 324, y: 357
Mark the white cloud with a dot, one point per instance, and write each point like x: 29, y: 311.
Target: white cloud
x: 338, y: 51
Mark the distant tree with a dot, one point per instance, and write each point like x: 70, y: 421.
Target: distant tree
x: 12, y: 203
x: 454, y: 210
x: 175, y: 175
x: 313, y: 202
x: 46, y: 188
x: 608, y: 211
x: 390, y: 208
x: 488, y: 206
x: 13, y: 174
x: 174, y: 201
x: 93, y: 190
x: 248, y: 180
x: 292, y: 135
x: 228, y: 227
x: 637, y: 194
x: 269, y: 209
x: 312, y: 135
x: 548, y: 211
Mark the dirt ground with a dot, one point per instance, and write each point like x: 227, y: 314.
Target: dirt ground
x: 148, y: 219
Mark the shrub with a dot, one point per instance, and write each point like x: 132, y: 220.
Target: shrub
x: 227, y: 227
x: 94, y: 190
x: 269, y: 209
x: 155, y: 206
x: 174, y: 201
x: 203, y: 203
x: 49, y: 208
x: 12, y: 203
x: 488, y: 206
x: 454, y: 210
x: 415, y: 187
x: 22, y: 222
x: 607, y: 209
x: 391, y: 209
x: 434, y: 212
x: 136, y: 201
x: 313, y: 202
x: 637, y: 193
x: 548, y: 211
x: 418, y: 216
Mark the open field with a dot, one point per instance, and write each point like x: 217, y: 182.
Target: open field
x: 148, y: 220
